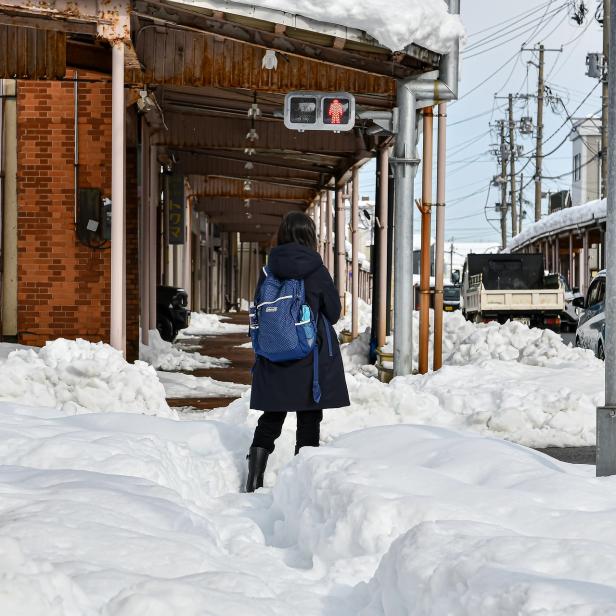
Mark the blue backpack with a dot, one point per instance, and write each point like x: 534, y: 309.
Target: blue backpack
x: 282, y: 326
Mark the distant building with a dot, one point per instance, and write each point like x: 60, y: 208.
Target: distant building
x: 586, y: 179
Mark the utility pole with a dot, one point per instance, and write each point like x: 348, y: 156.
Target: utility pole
x: 503, y: 184
x: 512, y: 152
x: 605, y: 98
x: 539, y: 135
x: 521, y: 207
x: 539, y: 147
x: 606, y: 415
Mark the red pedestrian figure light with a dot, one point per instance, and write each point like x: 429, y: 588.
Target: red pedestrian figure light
x: 336, y: 111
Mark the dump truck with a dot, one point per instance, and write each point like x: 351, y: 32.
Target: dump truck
x: 511, y: 287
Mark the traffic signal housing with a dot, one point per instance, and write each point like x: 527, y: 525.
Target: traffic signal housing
x: 329, y: 111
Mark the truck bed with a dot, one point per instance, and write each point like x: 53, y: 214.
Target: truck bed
x: 523, y: 301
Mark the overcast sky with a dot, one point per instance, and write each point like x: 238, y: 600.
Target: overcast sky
x: 499, y: 63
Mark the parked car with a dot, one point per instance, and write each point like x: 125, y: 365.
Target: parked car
x: 451, y: 297
x: 590, y: 333
x: 172, y: 312
x: 570, y: 315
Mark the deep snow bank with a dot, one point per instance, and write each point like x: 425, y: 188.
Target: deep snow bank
x: 164, y: 355
x: 467, y: 343
x: 76, y: 376
x: 451, y: 524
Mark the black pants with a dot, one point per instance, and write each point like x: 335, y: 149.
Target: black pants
x: 270, y: 426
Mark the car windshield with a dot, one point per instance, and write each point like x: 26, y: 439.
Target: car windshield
x: 451, y: 294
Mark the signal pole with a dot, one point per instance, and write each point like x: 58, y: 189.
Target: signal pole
x: 512, y: 153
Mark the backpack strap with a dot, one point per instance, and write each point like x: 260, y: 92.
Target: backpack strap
x: 328, y: 335
x: 316, y: 388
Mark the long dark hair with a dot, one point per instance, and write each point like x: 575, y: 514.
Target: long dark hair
x: 298, y: 228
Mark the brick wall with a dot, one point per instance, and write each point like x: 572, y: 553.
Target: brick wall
x: 63, y: 286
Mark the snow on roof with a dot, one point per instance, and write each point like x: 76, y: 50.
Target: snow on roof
x: 394, y: 24
x: 571, y: 217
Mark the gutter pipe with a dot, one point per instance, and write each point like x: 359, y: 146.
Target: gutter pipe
x: 413, y: 94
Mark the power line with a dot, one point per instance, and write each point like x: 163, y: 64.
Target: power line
x: 514, y: 18
x: 498, y: 70
x: 508, y: 30
x: 535, y: 27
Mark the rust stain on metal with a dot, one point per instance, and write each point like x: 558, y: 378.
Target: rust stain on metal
x: 182, y: 58
x: 235, y: 188
x: 214, y: 132
x: 29, y: 53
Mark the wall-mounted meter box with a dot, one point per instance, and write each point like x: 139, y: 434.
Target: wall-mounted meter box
x: 331, y: 111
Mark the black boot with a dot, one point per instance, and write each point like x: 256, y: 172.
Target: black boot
x: 257, y: 461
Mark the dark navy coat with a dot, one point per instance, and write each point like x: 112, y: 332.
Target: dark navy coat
x: 287, y: 386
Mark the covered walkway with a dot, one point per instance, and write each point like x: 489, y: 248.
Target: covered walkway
x: 227, y: 345
x: 199, y: 168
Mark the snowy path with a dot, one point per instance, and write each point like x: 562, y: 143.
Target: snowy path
x: 123, y: 515
x: 118, y: 513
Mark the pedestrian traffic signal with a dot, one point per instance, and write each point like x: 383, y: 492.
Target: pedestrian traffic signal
x: 332, y: 111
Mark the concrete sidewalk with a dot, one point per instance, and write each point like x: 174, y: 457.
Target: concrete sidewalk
x: 224, y: 345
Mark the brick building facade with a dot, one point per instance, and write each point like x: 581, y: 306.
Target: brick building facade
x: 64, y: 285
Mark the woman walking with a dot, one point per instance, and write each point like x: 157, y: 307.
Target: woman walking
x: 288, y: 386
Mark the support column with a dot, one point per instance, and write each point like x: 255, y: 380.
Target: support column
x: 322, y: 231
x: 118, y: 250
x: 8, y: 210
x: 340, y: 249
x: 426, y: 228
x: 144, y: 233
x: 437, y: 360
x: 153, y: 207
x: 584, y: 274
x: 355, y: 255
x: 330, y: 232
x: 406, y: 167
x: 558, y: 268
x: 571, y: 264
x: 187, y: 253
x: 382, y: 231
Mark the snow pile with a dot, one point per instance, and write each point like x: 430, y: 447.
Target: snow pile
x: 6, y: 348
x: 163, y: 355
x: 451, y: 524
x: 202, y: 324
x: 395, y: 24
x: 355, y: 353
x: 77, y: 376
x: 469, y: 343
x: 381, y: 522
x: 580, y: 215
x: 365, y: 315
x: 179, y: 385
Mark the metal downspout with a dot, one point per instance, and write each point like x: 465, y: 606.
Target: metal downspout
x: 411, y: 95
x: 406, y: 162
x: 118, y: 298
